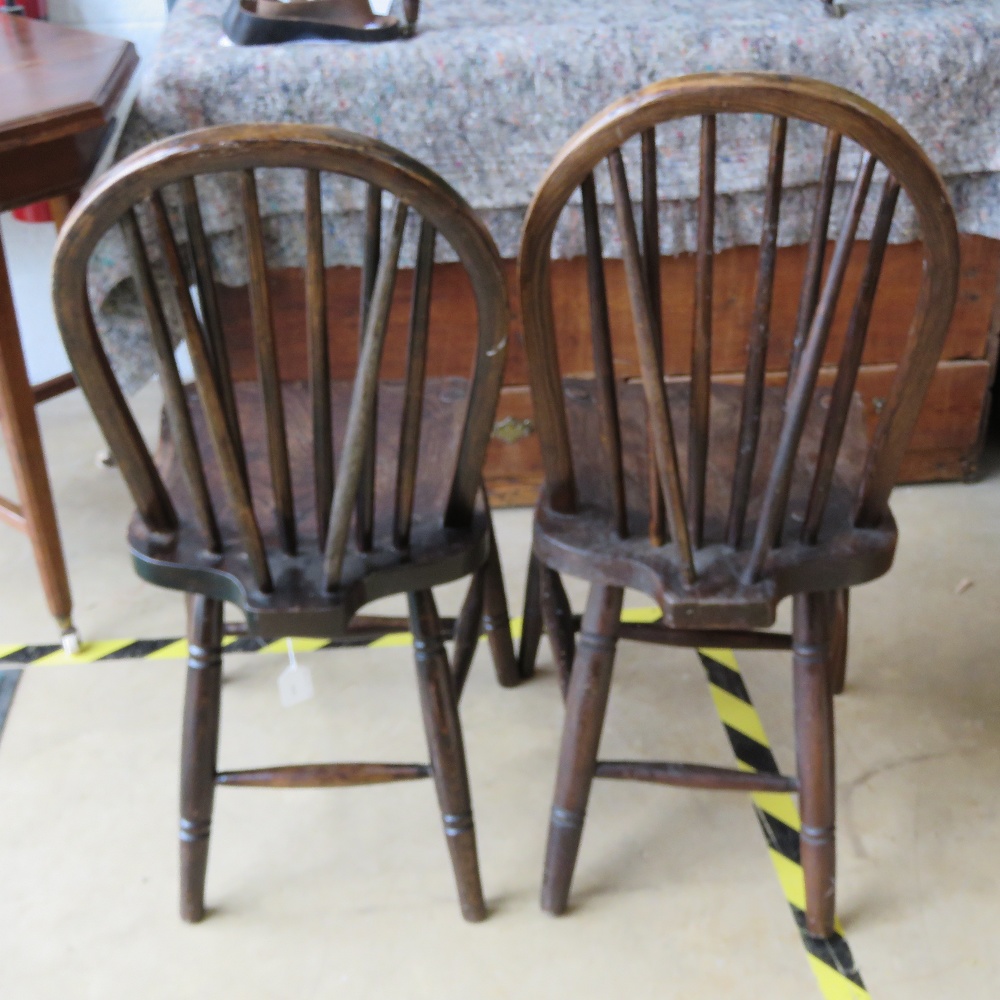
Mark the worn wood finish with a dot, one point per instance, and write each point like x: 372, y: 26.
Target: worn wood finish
x: 496, y: 617
x: 679, y: 775
x: 319, y: 356
x: 560, y: 624
x: 416, y: 366
x: 815, y: 756
x: 693, y: 638
x: 444, y: 740
x: 786, y: 494
x: 809, y: 295
x: 701, y: 338
x: 323, y: 775
x: 661, y: 433
x: 369, y: 276
x: 353, y: 487
x: 256, y: 483
x: 224, y: 447
x: 198, y: 749
x: 604, y: 362
x: 760, y: 333
x: 467, y: 631
x: 208, y: 298
x: 267, y: 364
x: 174, y: 399
x: 945, y: 444
x: 803, y: 384
x: 850, y: 363
x: 531, y: 621
x: 651, y: 273
x: 839, y: 627
x: 586, y: 702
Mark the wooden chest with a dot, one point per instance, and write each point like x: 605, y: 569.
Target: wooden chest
x: 948, y: 439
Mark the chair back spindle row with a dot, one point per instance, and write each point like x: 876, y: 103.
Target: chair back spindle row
x: 754, y: 521
x: 153, y: 198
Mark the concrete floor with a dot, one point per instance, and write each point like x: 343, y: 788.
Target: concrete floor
x: 349, y: 893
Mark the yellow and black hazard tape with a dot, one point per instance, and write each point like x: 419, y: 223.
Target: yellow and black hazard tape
x: 777, y: 812
x: 175, y: 649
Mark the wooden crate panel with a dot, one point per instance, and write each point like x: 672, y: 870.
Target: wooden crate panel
x: 453, y: 313
x: 945, y: 442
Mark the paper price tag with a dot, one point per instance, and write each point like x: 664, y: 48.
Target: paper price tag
x: 295, y: 683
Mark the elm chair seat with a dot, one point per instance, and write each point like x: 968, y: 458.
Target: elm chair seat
x: 438, y: 552
x: 845, y: 554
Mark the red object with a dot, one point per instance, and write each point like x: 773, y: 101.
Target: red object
x: 39, y: 211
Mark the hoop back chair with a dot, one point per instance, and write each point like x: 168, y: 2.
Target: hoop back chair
x: 300, y: 502
x: 719, y: 500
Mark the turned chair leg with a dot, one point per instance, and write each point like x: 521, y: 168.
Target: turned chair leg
x: 496, y: 618
x: 444, y: 739
x: 590, y: 682
x: 198, y: 750
x: 468, y: 629
x: 531, y: 623
x: 559, y: 627
x: 841, y: 601
x: 814, y: 738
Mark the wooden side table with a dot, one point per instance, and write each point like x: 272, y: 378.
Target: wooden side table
x: 58, y: 90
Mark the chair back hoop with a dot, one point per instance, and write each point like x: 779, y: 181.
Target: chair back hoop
x: 708, y: 96
x: 347, y: 497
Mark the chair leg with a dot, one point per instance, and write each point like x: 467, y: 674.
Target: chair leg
x: 531, y: 623
x: 444, y: 739
x: 558, y: 618
x: 590, y: 682
x: 198, y: 750
x: 814, y: 738
x: 496, y: 618
x: 468, y: 629
x: 841, y: 601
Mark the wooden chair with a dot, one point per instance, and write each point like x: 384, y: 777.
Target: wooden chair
x: 719, y: 500
x: 299, y: 503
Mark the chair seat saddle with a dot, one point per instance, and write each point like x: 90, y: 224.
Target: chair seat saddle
x: 582, y: 545
x: 443, y: 553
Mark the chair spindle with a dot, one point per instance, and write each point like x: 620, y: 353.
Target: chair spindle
x: 651, y: 267
x: 760, y: 331
x: 201, y: 256
x: 211, y: 402
x: 661, y: 428
x: 817, y: 249
x: 801, y: 391
x: 267, y: 365
x: 701, y: 339
x: 174, y: 399
x: 416, y: 369
x: 369, y: 272
x: 604, y: 371
x: 850, y: 363
x: 359, y: 437
x: 319, y: 357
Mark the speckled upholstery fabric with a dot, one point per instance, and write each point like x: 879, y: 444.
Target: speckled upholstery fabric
x: 488, y: 92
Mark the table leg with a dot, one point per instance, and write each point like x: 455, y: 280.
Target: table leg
x: 59, y: 208
x: 24, y: 446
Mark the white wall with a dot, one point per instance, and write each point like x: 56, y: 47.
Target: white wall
x: 138, y: 20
